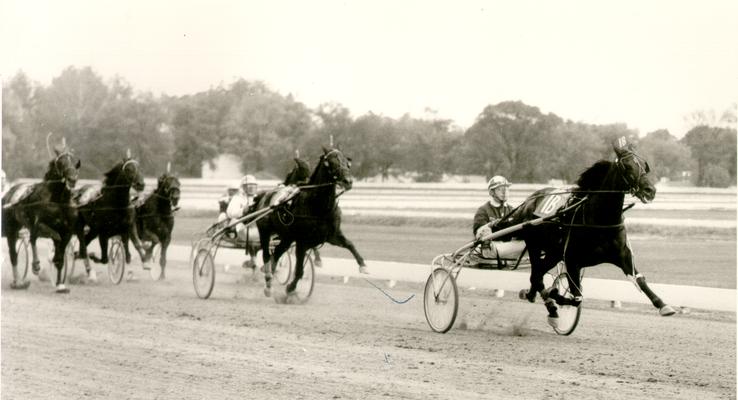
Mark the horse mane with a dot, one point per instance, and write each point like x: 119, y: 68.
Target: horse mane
x: 593, y: 176
x: 112, y: 175
x: 51, y: 173
x: 299, y: 174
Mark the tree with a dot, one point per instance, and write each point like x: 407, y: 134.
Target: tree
x: 512, y: 139
x: 712, y: 146
x: 667, y: 156
x: 22, y: 146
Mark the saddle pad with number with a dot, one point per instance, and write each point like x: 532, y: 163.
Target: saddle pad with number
x: 85, y: 195
x: 552, y: 202
x: 16, y: 194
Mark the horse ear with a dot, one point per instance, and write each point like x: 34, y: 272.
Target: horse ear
x: 79, y: 164
x: 325, y: 150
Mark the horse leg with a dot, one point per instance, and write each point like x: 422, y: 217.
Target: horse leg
x: 133, y: 233
x: 316, y: 256
x: 299, y: 267
x: 59, y: 247
x: 12, y: 238
x: 163, y: 256
x: 269, y: 269
x: 339, y: 239
x: 537, y: 271
x: 629, y: 269
x: 265, y: 239
x: 35, y: 264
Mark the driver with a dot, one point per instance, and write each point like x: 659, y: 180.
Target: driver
x: 489, y: 214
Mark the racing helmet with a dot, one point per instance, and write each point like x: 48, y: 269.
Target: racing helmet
x: 233, y: 188
x: 249, y: 184
x: 497, y: 181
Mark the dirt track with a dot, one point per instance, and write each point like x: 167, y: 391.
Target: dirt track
x: 156, y: 340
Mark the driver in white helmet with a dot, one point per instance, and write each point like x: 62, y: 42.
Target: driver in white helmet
x: 489, y: 214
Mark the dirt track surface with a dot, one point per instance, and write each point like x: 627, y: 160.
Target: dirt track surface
x: 157, y: 340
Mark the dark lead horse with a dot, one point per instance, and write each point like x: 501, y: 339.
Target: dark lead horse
x: 311, y: 215
x: 591, y: 232
x: 155, y: 218
x: 109, y: 212
x: 45, y: 209
x: 299, y: 176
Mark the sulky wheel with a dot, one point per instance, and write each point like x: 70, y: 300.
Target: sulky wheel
x: 116, y: 260
x: 568, y: 314
x: 23, y: 247
x: 283, y: 271
x: 441, y: 300
x: 305, y: 285
x: 203, y: 273
x: 69, y: 258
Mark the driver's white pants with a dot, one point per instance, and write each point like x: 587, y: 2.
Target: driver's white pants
x: 506, y: 250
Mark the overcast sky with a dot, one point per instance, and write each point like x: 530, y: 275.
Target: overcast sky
x: 644, y: 63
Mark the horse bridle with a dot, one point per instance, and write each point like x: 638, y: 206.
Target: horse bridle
x: 60, y: 171
x: 643, y: 169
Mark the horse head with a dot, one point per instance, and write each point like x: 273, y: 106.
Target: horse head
x: 337, y: 167
x: 168, y: 187
x: 126, y: 173
x: 634, y: 169
x: 64, y: 168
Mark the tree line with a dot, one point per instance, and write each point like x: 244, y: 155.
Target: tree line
x: 101, y: 119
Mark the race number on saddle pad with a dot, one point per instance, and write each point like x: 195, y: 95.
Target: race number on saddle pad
x: 551, y: 203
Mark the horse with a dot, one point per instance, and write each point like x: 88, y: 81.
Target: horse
x: 45, y: 209
x: 299, y: 175
x: 307, y: 219
x: 108, y: 211
x: 155, y: 218
x: 589, y: 229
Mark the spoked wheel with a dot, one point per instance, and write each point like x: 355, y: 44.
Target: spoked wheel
x: 23, y: 248
x: 305, y: 285
x: 283, y: 271
x: 69, y: 259
x: 203, y: 273
x: 441, y: 300
x: 155, y: 270
x: 116, y: 260
x: 569, y: 315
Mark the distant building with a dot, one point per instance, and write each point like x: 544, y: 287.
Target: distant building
x: 225, y: 166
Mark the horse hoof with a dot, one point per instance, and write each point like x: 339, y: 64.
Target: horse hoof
x: 268, y: 292
x: 92, y: 276
x: 62, y: 289
x: 35, y: 267
x: 20, y: 285
x: 667, y: 311
x: 523, y: 294
x: 146, y: 266
x: 553, y: 322
x: 131, y: 277
x: 364, y: 270
x: 318, y: 263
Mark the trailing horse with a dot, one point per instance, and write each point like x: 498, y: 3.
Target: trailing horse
x: 299, y: 175
x: 307, y: 219
x: 45, y: 209
x: 591, y: 232
x: 155, y: 218
x: 108, y: 211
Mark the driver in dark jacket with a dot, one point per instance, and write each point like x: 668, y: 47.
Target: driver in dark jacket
x: 488, y: 214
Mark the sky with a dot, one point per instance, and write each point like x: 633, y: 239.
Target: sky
x: 648, y: 64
